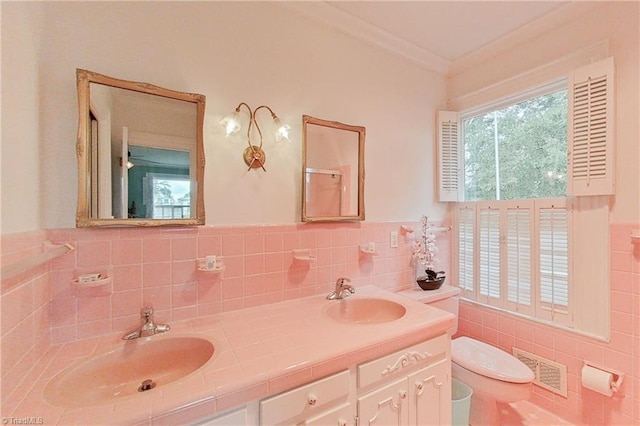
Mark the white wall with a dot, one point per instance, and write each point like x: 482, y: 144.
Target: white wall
x: 21, y: 131
x: 257, y: 52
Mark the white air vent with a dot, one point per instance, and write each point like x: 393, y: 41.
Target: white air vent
x: 548, y: 374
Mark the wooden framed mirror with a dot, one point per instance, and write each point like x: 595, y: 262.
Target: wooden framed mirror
x: 140, y: 154
x: 332, y: 171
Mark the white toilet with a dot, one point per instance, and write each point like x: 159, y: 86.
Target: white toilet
x: 494, y: 375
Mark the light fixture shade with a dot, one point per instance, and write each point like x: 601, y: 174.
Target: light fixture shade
x: 231, y: 123
x: 282, y: 130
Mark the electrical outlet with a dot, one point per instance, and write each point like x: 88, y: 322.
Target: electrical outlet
x: 394, y: 239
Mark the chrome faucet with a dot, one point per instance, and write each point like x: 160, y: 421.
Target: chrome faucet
x: 147, y: 326
x: 342, y: 290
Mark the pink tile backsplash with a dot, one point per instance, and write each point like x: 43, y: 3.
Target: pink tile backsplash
x: 158, y: 267
x: 622, y: 352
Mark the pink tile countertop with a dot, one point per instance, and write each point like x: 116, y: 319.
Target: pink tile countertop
x: 259, y: 351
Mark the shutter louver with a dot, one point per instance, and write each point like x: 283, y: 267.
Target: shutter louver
x: 591, y: 125
x: 448, y: 156
x: 466, y: 248
x: 554, y: 260
x: 489, y: 226
x: 519, y: 257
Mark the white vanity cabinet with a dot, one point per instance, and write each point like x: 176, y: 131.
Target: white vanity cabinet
x: 408, y: 387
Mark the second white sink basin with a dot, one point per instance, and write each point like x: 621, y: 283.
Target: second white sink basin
x: 365, y: 311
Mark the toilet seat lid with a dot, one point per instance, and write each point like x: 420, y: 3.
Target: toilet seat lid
x: 489, y: 361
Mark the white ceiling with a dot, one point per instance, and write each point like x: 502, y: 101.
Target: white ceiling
x: 448, y: 29
x: 435, y: 34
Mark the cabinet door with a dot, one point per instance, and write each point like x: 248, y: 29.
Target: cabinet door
x: 341, y: 415
x: 386, y: 406
x: 430, y: 395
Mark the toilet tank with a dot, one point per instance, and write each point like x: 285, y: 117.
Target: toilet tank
x: 446, y: 298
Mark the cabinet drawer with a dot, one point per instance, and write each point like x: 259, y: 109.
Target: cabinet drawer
x: 304, y: 400
x: 390, y: 365
x: 341, y: 415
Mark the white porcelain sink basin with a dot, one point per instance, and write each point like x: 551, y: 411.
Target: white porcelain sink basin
x: 121, y: 372
x: 365, y: 311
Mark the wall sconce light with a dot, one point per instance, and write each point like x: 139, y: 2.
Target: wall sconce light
x: 253, y: 155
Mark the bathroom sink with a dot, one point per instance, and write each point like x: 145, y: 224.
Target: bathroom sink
x: 136, y: 366
x: 365, y: 311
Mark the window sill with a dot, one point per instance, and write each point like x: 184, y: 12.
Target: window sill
x: 538, y: 320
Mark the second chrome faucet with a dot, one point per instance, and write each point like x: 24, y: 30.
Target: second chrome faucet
x: 342, y: 290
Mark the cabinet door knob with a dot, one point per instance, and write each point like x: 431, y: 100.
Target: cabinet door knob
x: 419, y: 386
x: 342, y: 422
x: 312, y: 399
x: 403, y: 394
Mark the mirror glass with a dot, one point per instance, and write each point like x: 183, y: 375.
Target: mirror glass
x: 333, y: 171
x: 140, y: 154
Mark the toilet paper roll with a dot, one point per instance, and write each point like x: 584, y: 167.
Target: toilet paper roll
x: 597, y: 380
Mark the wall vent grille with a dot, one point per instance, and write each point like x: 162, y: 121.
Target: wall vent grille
x: 549, y: 375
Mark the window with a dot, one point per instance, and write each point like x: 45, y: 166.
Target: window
x: 519, y: 151
x: 519, y: 238
x: 168, y: 195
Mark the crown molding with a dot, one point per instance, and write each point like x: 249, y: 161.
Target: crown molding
x: 323, y: 12
x: 564, y: 14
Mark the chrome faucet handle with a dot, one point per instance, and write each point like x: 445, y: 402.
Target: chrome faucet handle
x: 147, y: 326
x: 340, y: 283
x: 342, y: 289
x: 146, y: 312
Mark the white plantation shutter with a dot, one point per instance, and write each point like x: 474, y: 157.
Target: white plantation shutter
x: 466, y: 247
x: 590, y: 124
x: 519, y: 248
x: 449, y: 182
x: 553, y: 269
x: 490, y: 259
x: 518, y: 253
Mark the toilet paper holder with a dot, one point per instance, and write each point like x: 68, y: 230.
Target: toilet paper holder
x: 618, y: 376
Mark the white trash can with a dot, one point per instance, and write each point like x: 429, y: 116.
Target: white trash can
x: 460, y: 403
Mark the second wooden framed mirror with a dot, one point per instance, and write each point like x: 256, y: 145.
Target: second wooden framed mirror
x: 332, y: 171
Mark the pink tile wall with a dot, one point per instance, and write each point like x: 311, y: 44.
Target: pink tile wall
x: 158, y: 267
x: 623, y: 352
x: 25, y: 322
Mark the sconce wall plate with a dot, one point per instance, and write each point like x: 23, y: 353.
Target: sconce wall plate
x: 254, y: 157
